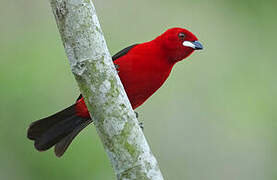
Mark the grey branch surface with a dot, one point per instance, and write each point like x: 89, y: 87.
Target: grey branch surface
x: 104, y: 94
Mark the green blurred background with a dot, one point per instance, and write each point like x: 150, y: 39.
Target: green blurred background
x: 213, y: 119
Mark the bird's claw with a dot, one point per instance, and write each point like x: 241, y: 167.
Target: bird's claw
x: 141, y: 125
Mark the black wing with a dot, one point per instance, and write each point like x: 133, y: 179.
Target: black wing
x: 123, y: 52
x: 116, y: 56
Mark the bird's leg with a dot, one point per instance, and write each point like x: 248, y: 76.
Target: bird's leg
x: 140, y: 123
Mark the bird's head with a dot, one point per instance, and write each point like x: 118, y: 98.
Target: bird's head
x: 179, y: 43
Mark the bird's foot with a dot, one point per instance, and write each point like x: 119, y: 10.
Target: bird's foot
x: 141, y: 125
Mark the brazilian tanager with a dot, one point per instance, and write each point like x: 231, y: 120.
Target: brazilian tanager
x: 142, y: 68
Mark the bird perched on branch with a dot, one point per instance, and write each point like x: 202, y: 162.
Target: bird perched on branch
x: 142, y: 68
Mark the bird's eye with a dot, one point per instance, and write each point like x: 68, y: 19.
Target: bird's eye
x: 181, y: 36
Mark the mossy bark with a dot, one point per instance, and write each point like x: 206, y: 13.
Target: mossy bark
x: 104, y: 94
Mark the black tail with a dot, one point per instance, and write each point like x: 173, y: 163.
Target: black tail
x: 57, y: 130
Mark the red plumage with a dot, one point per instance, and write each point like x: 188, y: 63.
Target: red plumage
x: 146, y: 66
x: 143, y: 68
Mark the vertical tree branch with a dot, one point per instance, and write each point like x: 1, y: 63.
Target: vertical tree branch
x: 104, y: 94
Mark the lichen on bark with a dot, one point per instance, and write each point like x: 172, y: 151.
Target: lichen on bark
x: 104, y: 94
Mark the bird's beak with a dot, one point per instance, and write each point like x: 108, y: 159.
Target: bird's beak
x: 196, y: 45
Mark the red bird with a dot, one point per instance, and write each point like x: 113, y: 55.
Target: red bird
x: 143, y: 68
